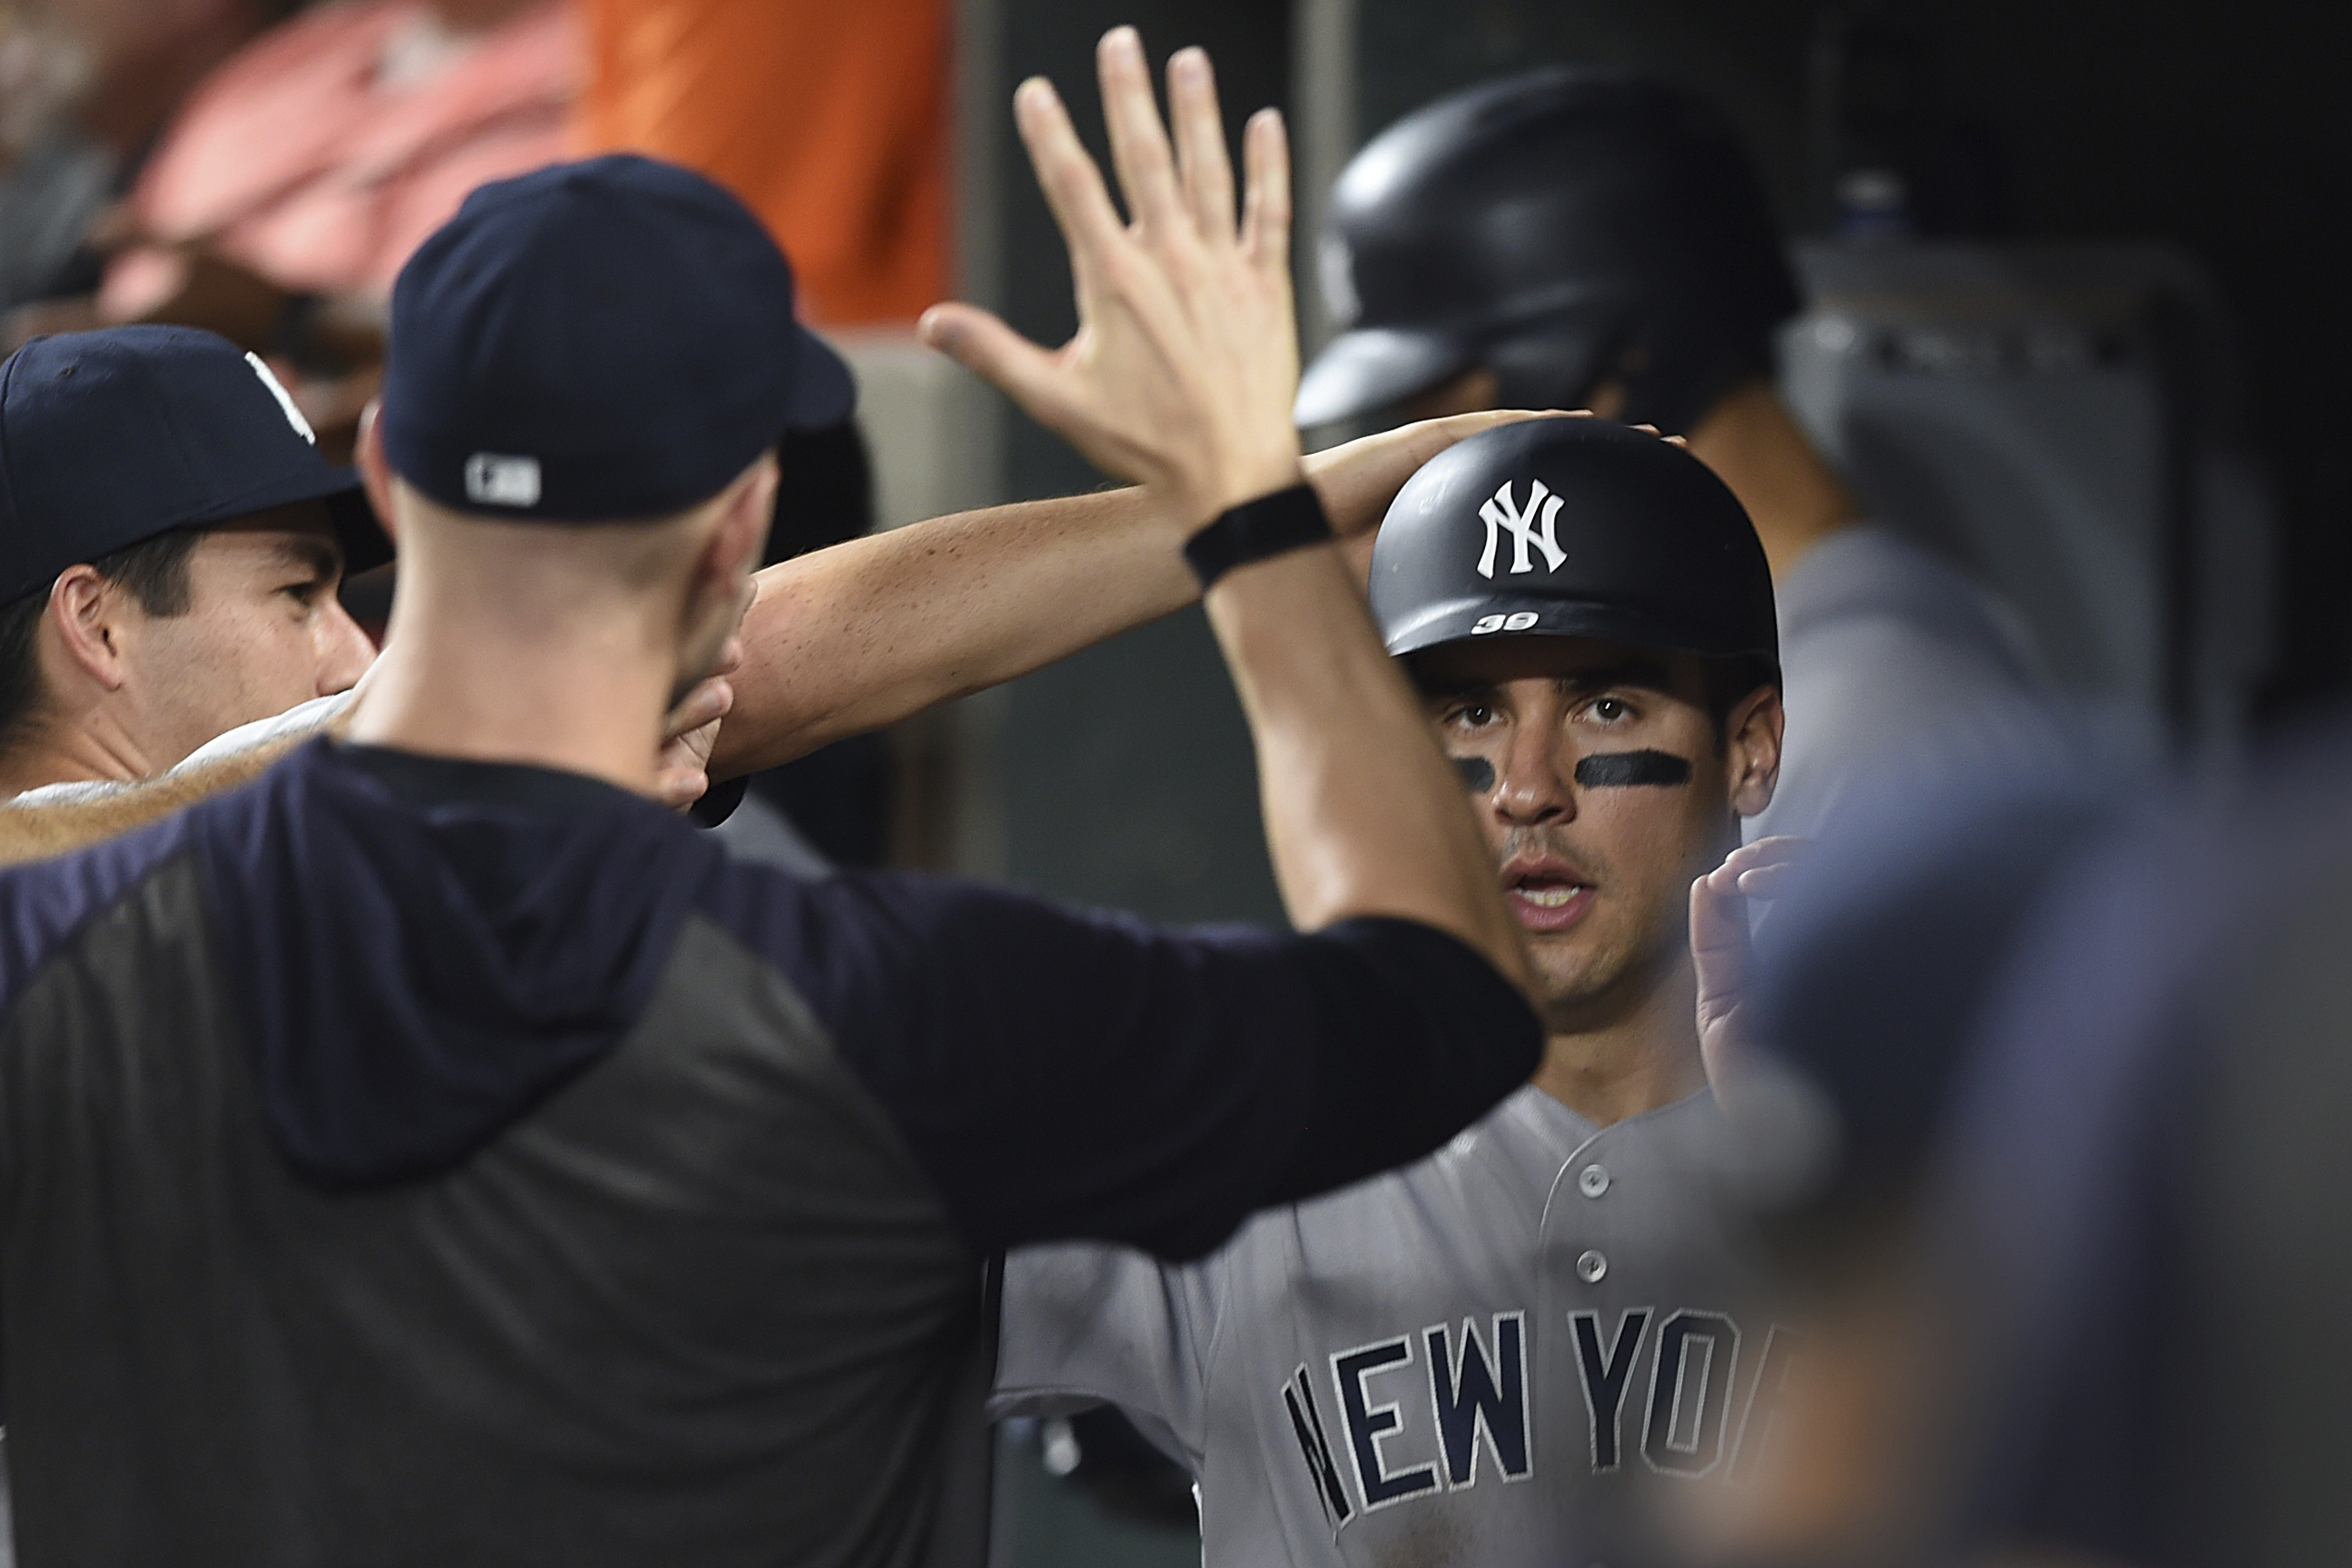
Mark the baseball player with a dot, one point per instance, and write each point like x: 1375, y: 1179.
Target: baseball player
x: 1572, y: 238
x: 170, y: 543
x: 441, y: 1155
x: 1474, y: 1360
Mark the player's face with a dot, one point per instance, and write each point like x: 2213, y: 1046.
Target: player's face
x: 1600, y: 778
x: 263, y: 631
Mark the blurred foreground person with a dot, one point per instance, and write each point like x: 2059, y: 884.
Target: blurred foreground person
x: 2074, y: 1274
x: 1558, y: 1298
x: 171, y: 545
x: 1587, y: 240
x: 444, y: 1156
x: 1848, y: 1032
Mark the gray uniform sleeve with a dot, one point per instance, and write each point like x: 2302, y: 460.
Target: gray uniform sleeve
x: 1088, y: 1324
x: 1896, y: 667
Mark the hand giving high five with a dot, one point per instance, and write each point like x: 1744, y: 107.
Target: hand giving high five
x: 1186, y: 358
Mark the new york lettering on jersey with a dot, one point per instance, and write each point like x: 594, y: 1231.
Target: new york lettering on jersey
x: 1369, y: 1377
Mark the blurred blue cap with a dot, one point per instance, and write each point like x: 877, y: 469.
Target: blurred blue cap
x: 110, y: 438
x: 600, y: 340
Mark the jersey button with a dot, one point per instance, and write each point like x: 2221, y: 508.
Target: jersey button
x: 1592, y: 1181
x: 1592, y: 1268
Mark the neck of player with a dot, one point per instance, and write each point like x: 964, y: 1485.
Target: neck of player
x: 1640, y: 1054
x: 1794, y: 497
x: 538, y: 666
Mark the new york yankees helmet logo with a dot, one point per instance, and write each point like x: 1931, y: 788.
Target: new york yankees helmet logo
x: 1530, y: 529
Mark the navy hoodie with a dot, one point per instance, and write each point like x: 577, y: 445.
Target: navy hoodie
x: 411, y: 1160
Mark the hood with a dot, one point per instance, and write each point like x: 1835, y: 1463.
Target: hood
x: 422, y: 949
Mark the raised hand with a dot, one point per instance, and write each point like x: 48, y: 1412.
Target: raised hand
x: 1718, y: 937
x: 1185, y: 361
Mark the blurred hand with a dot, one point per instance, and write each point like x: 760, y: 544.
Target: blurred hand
x: 1718, y: 937
x: 691, y: 731
x: 1357, y: 480
x: 1186, y: 358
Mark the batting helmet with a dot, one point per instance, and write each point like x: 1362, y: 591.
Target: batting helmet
x: 1556, y: 227
x: 1572, y: 528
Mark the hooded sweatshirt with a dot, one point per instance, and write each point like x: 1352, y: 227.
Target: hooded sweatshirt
x: 405, y: 1160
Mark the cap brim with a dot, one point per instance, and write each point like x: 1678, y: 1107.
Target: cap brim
x: 364, y: 543
x: 1367, y: 370
x: 824, y: 394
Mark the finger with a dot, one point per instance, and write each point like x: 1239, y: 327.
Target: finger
x: 1138, y: 141
x: 1718, y: 938
x: 1203, y: 160
x: 1768, y: 883
x: 1265, y: 202
x: 982, y: 343
x: 1067, y: 174
x: 730, y: 657
x: 706, y: 704
x: 679, y: 788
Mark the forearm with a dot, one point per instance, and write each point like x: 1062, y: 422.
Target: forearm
x: 37, y: 832
x: 848, y: 639
x: 1363, y: 814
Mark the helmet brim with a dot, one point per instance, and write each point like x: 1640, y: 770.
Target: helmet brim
x: 1492, y: 617
x: 1367, y: 370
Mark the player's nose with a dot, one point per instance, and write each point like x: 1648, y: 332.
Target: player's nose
x: 1532, y: 786
x: 344, y: 650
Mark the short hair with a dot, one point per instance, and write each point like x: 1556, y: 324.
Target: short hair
x: 155, y: 572
x: 1727, y: 683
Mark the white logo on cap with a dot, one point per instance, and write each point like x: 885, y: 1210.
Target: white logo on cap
x: 495, y: 480
x: 1525, y: 532
x: 285, y: 399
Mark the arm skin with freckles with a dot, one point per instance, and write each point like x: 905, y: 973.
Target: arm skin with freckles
x: 862, y: 635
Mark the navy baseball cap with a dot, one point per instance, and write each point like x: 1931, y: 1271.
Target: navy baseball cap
x: 113, y: 437
x: 598, y: 341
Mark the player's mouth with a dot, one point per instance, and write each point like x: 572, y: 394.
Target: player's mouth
x: 1546, y: 894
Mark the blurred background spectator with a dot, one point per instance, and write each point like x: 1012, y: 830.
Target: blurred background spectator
x: 829, y: 121
x: 86, y: 86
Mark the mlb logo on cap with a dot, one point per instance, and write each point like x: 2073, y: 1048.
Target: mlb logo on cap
x: 598, y: 341
x: 493, y: 480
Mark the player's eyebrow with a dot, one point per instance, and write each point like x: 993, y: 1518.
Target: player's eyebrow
x: 320, y: 557
x: 1646, y: 673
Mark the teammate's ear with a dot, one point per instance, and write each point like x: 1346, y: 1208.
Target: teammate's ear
x: 375, y: 471
x: 1751, y: 751
x: 736, y: 544
x: 85, y: 612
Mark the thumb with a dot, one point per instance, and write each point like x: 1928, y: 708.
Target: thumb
x: 979, y: 340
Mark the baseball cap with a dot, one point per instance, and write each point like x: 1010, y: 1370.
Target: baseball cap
x: 597, y: 342
x: 112, y: 436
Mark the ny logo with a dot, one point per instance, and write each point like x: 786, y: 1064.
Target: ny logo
x: 1524, y: 527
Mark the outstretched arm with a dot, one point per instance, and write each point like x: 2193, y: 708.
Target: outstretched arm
x: 1181, y: 376
x: 848, y: 639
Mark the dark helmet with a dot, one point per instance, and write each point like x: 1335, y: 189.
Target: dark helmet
x: 1556, y: 227
x: 1572, y: 528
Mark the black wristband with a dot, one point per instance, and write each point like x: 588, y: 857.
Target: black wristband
x: 1270, y: 525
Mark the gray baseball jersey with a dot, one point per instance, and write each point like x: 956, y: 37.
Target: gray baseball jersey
x: 1507, y: 1353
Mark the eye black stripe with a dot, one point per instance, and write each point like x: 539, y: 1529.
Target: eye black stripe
x: 1619, y: 770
